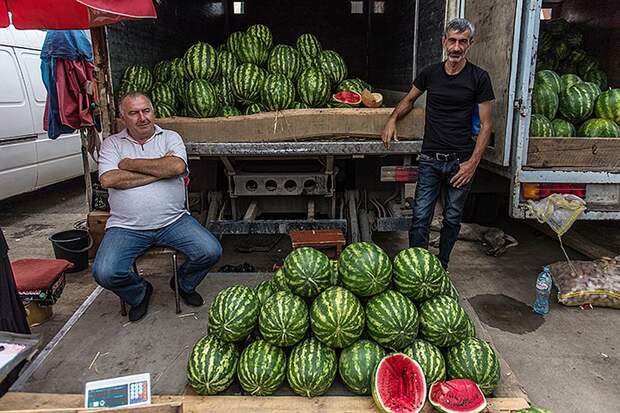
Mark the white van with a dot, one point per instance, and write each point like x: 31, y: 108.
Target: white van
x: 29, y: 160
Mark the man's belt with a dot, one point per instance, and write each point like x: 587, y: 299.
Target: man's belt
x: 446, y: 157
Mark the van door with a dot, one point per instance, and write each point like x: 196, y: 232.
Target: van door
x: 17, y: 134
x: 57, y: 159
x: 496, y: 49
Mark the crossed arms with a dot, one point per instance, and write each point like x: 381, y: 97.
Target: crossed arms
x: 132, y: 173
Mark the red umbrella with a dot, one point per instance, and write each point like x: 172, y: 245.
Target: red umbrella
x: 72, y: 14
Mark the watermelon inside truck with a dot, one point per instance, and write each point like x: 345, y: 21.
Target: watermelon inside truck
x: 273, y: 172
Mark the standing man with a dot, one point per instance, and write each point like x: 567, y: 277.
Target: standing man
x: 457, y: 91
x: 143, y: 167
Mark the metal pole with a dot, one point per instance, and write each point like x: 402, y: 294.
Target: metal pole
x: 86, y: 166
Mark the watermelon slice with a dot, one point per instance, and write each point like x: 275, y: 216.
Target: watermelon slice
x: 348, y: 96
x: 399, y: 385
x: 457, y: 396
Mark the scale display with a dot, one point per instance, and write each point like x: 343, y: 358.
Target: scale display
x: 118, y: 392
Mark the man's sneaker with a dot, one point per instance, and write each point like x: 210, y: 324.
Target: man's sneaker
x: 138, y: 311
x: 194, y: 299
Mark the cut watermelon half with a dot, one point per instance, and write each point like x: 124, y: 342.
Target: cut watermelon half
x: 348, y: 96
x: 457, y: 396
x: 399, y: 385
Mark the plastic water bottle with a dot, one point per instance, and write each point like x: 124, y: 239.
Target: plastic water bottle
x: 543, y: 289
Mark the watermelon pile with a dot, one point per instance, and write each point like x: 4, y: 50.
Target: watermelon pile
x: 247, y: 74
x: 571, y: 96
x: 317, y: 319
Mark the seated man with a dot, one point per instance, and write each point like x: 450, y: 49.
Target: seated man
x: 143, y: 168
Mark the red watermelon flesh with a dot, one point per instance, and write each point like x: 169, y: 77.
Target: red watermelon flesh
x: 349, y: 97
x: 399, y: 385
x: 457, y: 396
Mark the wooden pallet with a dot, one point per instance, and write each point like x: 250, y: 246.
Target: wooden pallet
x: 588, y: 153
x: 70, y: 403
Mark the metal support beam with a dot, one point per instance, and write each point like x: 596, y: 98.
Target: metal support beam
x: 311, y: 210
x: 252, y: 211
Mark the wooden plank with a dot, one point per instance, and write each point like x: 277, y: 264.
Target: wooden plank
x: 295, y: 124
x: 174, y: 407
x: 574, y: 152
x: 225, y: 404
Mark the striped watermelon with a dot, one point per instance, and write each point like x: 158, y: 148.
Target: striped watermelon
x: 226, y: 63
x: 283, y: 319
x: 313, y: 87
x: 567, y: 66
x: 262, y: 32
x: 357, y: 364
x: 252, y: 49
x: 139, y: 76
x: 299, y: 105
x: 591, y: 88
x: 563, y: 128
x: 599, y: 127
x: 557, y: 27
x: 545, y: 42
x: 474, y: 359
x: 576, y: 103
x: 255, y: 108
x: 335, y: 275
x: 443, y: 322
x: 279, y: 281
x: 569, y: 80
x: 261, y: 369
x: 162, y: 72
x: 607, y: 105
x: 337, y: 317
x: 200, y: 62
x: 233, y: 313
x: 353, y: 85
x: 448, y: 288
x: 392, y: 320
x: 574, y: 38
x: 596, y: 76
x: 233, y: 41
x: 312, y: 368
x: 285, y: 60
x: 586, y: 64
x: 576, y: 55
x: 202, y: 100
x: 307, y: 271
x: 548, y: 78
x: 308, y: 46
x: 332, y: 65
x: 164, y: 111
x: 365, y: 269
x: 540, y: 126
x: 561, y: 49
x: 248, y: 81
x: 224, y: 91
x: 263, y: 291
x: 429, y: 358
x: 229, y: 111
x: 471, y: 328
x: 418, y: 274
x: 545, y: 101
x: 176, y: 67
x: 221, y: 48
x: 163, y: 93
x: 212, y: 365
x: 547, y: 61
x: 278, y: 92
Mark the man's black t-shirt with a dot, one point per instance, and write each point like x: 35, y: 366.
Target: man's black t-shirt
x: 450, y: 104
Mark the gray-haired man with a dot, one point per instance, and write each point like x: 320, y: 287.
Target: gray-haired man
x: 458, y: 94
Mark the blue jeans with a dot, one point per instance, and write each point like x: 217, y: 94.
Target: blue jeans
x: 433, y: 177
x: 120, y: 248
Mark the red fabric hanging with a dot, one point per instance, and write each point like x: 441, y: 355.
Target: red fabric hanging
x: 72, y: 14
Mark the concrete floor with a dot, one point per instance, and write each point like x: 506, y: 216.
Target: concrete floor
x: 567, y: 361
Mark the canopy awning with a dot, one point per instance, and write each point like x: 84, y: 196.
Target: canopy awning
x: 72, y: 14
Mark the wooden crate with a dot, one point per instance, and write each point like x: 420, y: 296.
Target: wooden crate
x: 585, y: 153
x: 293, y: 124
x: 72, y: 403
